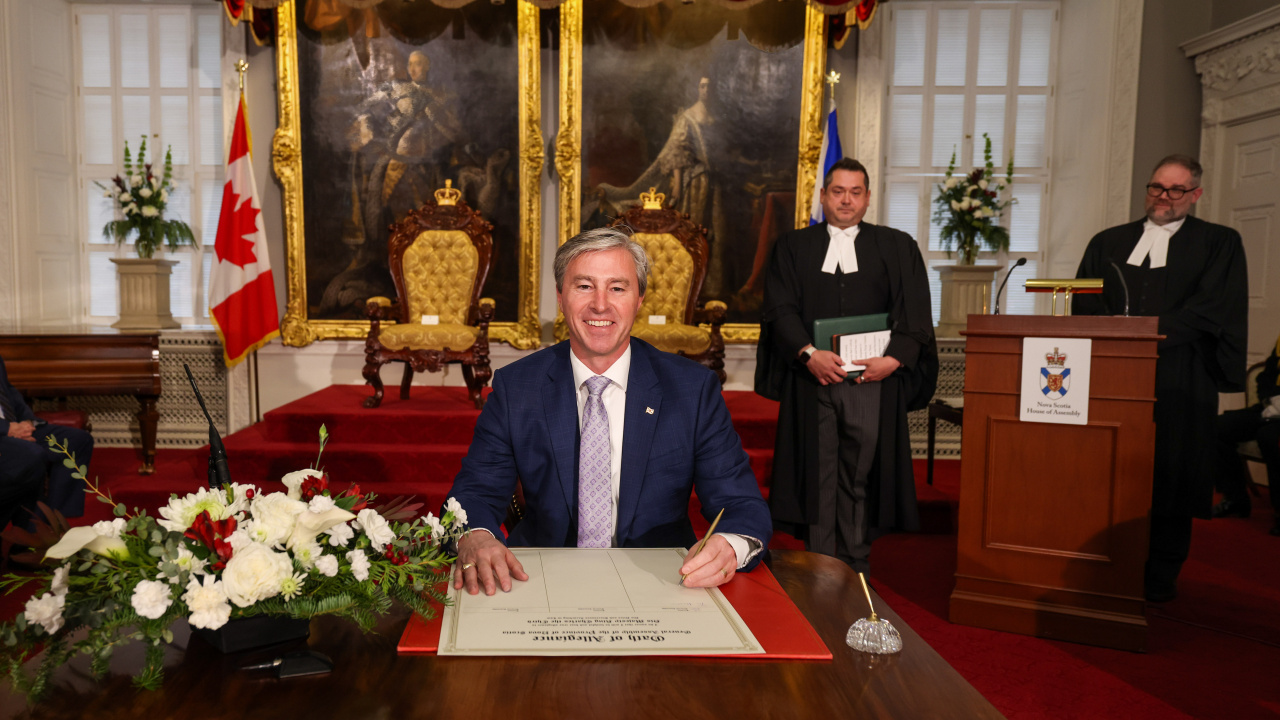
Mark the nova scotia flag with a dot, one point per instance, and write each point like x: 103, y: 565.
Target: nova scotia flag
x: 830, y: 155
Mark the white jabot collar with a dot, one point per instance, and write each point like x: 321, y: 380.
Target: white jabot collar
x: 1154, y: 243
x: 840, y: 250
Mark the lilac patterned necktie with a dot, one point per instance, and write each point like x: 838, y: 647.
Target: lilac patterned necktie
x: 595, y: 492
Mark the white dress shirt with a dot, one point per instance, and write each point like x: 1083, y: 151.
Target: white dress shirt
x: 1155, y: 243
x: 614, y: 398
x: 840, y: 251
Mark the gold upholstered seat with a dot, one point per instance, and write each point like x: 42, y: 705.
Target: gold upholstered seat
x: 439, y: 257
x: 677, y: 249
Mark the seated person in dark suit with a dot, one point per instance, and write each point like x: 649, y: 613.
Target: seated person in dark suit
x: 607, y: 436
x: 26, y: 460
x: 1260, y: 422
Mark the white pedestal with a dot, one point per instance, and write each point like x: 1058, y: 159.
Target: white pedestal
x: 966, y: 290
x: 144, y: 294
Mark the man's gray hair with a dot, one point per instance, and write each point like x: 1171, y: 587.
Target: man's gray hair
x: 598, y: 240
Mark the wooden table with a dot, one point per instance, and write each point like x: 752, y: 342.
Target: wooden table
x: 371, y: 681
x: 51, y: 362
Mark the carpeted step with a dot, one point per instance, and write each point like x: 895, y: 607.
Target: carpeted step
x: 430, y: 415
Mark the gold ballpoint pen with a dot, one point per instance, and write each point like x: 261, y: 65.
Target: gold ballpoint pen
x: 704, y: 540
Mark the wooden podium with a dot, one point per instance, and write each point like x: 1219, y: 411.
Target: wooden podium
x: 1054, y: 518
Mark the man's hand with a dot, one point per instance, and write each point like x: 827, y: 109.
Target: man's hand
x: 827, y: 367
x: 487, y: 563
x: 22, y: 430
x: 878, y: 368
x: 715, y: 565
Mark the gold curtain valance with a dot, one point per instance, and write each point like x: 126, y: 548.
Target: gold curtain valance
x: 830, y: 7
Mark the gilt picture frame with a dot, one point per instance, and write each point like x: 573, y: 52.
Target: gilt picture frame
x: 378, y: 107
x: 651, y: 113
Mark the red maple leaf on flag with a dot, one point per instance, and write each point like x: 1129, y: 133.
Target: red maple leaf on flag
x: 238, y: 220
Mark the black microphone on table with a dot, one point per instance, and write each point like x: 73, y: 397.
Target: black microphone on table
x: 1020, y: 262
x: 219, y: 475
x: 1124, y: 286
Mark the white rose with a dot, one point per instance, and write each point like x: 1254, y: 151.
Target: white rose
x: 255, y: 573
x: 982, y: 184
x: 327, y: 565
x: 136, y: 180
x: 46, y: 611
x: 149, y: 211
x: 145, y: 193
x: 207, y: 602
x: 109, y: 528
x: 376, y: 528
x: 340, y: 535
x: 359, y: 565
x: 293, y: 481
x: 151, y: 598
x: 125, y: 197
x: 274, y: 516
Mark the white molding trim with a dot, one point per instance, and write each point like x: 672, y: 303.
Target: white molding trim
x: 1239, y: 30
x: 8, y: 221
x: 872, y: 84
x: 1124, y: 111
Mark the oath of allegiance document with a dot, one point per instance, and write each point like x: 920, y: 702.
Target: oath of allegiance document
x: 581, y: 601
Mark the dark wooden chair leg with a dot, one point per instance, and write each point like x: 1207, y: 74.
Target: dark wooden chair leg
x: 374, y: 378
x: 933, y: 433
x: 406, y: 381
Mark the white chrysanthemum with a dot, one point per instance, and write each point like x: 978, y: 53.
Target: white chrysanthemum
x: 151, y: 598
x: 320, y: 503
x: 437, y: 529
x: 59, y: 585
x: 291, y: 587
x: 125, y: 197
x: 255, y: 573
x: 149, y: 211
x: 273, y: 518
x: 293, y: 481
x: 145, y: 193
x: 207, y: 602
x: 46, y: 611
x: 307, y: 554
x: 359, y: 565
x: 341, y: 534
x: 178, y: 515
x: 375, y: 528
x: 459, y: 515
x: 327, y: 565
x: 109, y: 528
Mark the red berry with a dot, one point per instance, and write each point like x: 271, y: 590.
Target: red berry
x: 249, y: 493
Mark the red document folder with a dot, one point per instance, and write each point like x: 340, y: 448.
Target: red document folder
x: 761, y: 602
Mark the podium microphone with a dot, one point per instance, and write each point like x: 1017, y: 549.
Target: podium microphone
x: 219, y: 475
x: 1021, y: 261
x: 1124, y: 286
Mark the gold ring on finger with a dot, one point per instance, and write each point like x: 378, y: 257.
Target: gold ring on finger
x: 468, y: 566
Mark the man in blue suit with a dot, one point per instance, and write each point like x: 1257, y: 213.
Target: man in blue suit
x: 26, y: 459
x: 608, y: 436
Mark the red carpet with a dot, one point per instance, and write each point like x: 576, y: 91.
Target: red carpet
x: 1215, y: 651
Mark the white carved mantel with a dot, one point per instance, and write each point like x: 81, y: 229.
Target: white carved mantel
x: 1239, y: 67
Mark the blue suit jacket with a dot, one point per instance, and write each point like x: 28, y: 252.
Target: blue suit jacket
x: 529, y: 430
x: 15, y: 398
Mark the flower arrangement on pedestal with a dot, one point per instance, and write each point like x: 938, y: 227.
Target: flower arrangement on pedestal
x: 142, y: 198
x: 969, y: 208
x: 220, y: 554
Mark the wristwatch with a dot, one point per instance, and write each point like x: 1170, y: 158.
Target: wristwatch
x: 808, y: 352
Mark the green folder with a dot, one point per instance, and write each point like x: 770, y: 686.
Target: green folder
x: 827, y: 330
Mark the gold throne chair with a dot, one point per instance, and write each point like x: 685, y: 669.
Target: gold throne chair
x: 439, y: 256
x: 677, y: 249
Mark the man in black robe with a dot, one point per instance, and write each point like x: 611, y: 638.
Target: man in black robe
x: 1190, y: 274
x: 842, y: 461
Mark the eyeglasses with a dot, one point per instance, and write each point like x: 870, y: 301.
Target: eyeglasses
x: 1174, y: 193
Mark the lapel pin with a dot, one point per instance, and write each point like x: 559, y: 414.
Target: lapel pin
x: 648, y: 411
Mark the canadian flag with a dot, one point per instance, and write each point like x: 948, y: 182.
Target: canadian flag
x: 242, y: 294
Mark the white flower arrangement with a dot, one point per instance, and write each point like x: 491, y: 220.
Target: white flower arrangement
x: 968, y: 208
x: 141, y: 197
x: 219, y: 554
